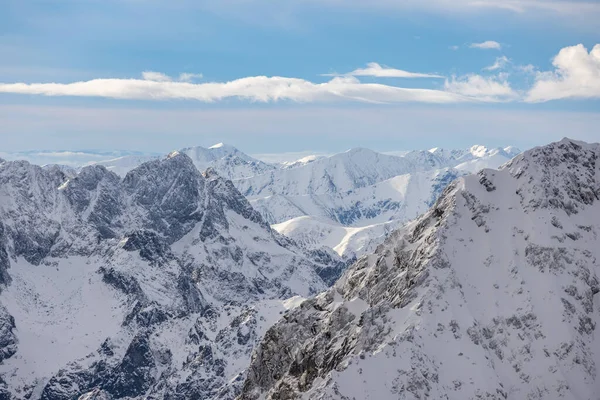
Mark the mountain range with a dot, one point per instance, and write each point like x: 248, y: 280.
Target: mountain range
x: 348, y: 201
x: 157, y: 284
x: 166, y: 283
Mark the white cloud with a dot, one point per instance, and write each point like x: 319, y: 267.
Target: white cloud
x: 256, y: 88
x: 160, y: 77
x: 483, y: 88
x: 526, y: 69
x: 155, y: 76
x: 487, y: 45
x: 453, y: 47
x: 576, y: 75
x: 564, y: 7
x: 376, y: 70
x: 189, y: 77
x: 500, y: 63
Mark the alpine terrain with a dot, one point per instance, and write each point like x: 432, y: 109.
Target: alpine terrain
x: 491, y: 294
x: 349, y: 201
x: 156, y: 285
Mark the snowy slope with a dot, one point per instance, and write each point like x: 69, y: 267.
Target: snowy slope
x: 492, y: 294
x: 357, y: 188
x: 336, y: 203
x: 336, y: 174
x: 158, y: 284
x: 346, y: 241
x: 351, y: 223
x: 480, y: 157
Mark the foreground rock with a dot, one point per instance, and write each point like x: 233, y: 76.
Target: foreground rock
x: 492, y: 294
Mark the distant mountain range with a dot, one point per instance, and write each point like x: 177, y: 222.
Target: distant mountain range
x: 351, y: 200
x: 348, y: 201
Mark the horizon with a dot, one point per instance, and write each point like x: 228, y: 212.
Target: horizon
x: 285, y: 77
x: 78, y: 158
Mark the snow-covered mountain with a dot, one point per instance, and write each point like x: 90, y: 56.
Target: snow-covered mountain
x: 351, y: 200
x: 347, y: 241
x: 492, y: 294
x: 228, y: 161
x: 156, y: 285
x: 336, y: 174
x: 357, y: 196
x: 480, y: 157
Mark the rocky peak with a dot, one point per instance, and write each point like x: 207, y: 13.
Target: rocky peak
x: 563, y: 175
x: 154, y: 286
x: 490, y: 294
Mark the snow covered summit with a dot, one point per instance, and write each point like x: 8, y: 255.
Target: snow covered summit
x: 352, y: 200
x: 492, y: 294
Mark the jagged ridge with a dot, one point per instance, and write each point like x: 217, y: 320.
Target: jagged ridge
x: 154, y: 285
x: 491, y: 294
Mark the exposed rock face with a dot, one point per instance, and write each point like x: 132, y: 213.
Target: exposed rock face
x: 321, y: 201
x: 8, y: 339
x: 156, y: 285
x: 492, y: 294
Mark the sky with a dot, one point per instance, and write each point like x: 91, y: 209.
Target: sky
x: 297, y: 75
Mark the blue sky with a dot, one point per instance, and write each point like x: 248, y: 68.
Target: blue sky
x: 495, y: 81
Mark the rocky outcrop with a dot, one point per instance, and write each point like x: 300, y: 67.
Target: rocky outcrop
x: 491, y: 294
x: 156, y: 285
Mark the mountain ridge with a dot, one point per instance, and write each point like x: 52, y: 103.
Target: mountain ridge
x: 490, y: 294
x: 155, y: 284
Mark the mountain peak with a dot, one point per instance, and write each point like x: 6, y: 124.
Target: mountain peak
x: 165, y: 261
x: 359, y: 151
x: 496, y: 281
x: 512, y: 151
x: 576, y: 142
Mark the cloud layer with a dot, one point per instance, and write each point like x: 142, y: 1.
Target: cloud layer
x: 576, y: 75
x: 484, y: 88
x: 375, y: 70
x: 257, y: 88
x: 561, y: 8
